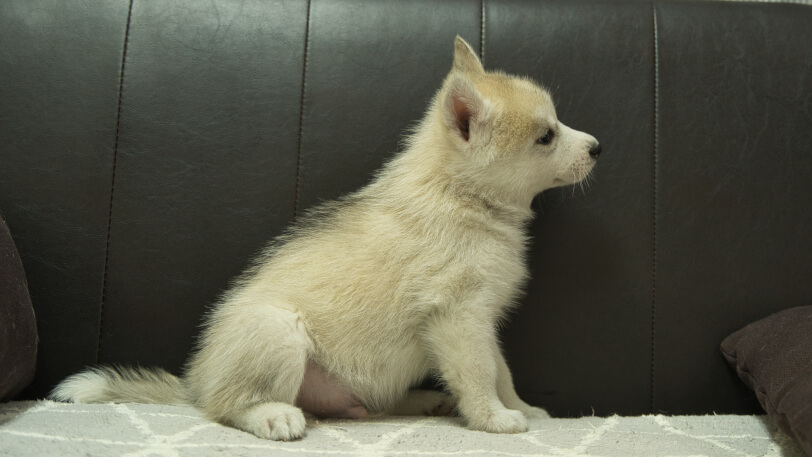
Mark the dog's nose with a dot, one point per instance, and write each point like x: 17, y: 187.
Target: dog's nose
x: 595, y: 150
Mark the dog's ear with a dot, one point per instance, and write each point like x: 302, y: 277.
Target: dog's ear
x: 465, y: 59
x: 464, y: 108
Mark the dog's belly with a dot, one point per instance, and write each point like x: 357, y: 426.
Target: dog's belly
x: 324, y: 396
x: 361, y: 381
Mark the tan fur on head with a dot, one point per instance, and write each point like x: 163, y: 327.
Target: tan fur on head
x: 496, y: 119
x: 406, y: 278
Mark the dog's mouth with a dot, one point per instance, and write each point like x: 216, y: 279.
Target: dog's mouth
x: 579, y: 173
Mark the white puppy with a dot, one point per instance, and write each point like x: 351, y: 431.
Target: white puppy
x: 404, y: 279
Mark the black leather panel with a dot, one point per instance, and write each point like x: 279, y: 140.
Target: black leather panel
x: 580, y: 342
x: 372, y: 68
x: 734, y: 194
x: 206, y: 166
x: 59, y: 67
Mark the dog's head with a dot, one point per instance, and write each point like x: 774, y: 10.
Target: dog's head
x: 506, y: 129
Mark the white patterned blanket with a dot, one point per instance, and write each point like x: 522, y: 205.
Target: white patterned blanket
x: 55, y: 429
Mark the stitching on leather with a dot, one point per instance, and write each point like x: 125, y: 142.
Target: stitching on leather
x: 301, y: 114
x: 113, y: 177
x: 654, y: 211
x: 482, y: 32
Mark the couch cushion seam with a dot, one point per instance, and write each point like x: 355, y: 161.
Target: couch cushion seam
x: 655, y: 203
x: 482, y: 32
x: 113, y: 179
x: 301, y: 113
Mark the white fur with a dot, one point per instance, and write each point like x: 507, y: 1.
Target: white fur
x: 407, y: 278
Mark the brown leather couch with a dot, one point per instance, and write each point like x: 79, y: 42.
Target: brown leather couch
x: 149, y: 149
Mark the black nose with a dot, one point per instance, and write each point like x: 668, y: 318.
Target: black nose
x: 595, y: 151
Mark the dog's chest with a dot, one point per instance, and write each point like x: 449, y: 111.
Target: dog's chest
x: 500, y: 272
x: 487, y: 266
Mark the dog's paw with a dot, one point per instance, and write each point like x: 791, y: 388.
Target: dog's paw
x: 533, y: 412
x: 275, y: 421
x: 437, y: 403
x: 500, y: 421
x: 446, y: 408
x: 425, y: 403
x: 530, y: 412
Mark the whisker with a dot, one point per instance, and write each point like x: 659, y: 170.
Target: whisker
x: 587, y: 181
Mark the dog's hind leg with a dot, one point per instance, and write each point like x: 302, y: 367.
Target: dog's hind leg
x: 249, y: 369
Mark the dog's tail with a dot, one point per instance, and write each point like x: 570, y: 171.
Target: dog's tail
x: 122, y: 385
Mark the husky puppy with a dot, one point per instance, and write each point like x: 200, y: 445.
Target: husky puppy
x: 404, y: 279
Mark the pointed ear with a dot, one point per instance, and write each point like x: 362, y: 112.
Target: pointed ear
x: 464, y: 108
x: 465, y: 59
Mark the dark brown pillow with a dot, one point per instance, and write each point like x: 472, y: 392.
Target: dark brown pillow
x: 18, y: 328
x: 773, y: 357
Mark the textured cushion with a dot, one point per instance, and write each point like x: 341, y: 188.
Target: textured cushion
x: 18, y: 329
x: 773, y: 357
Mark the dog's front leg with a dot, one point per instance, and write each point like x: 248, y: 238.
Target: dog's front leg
x: 461, y: 341
x: 507, y: 392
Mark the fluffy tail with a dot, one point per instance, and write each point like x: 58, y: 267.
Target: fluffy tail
x: 122, y: 385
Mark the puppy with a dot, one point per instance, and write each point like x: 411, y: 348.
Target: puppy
x: 402, y: 280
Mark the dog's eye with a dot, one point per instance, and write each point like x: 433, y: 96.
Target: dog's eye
x: 546, y: 139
